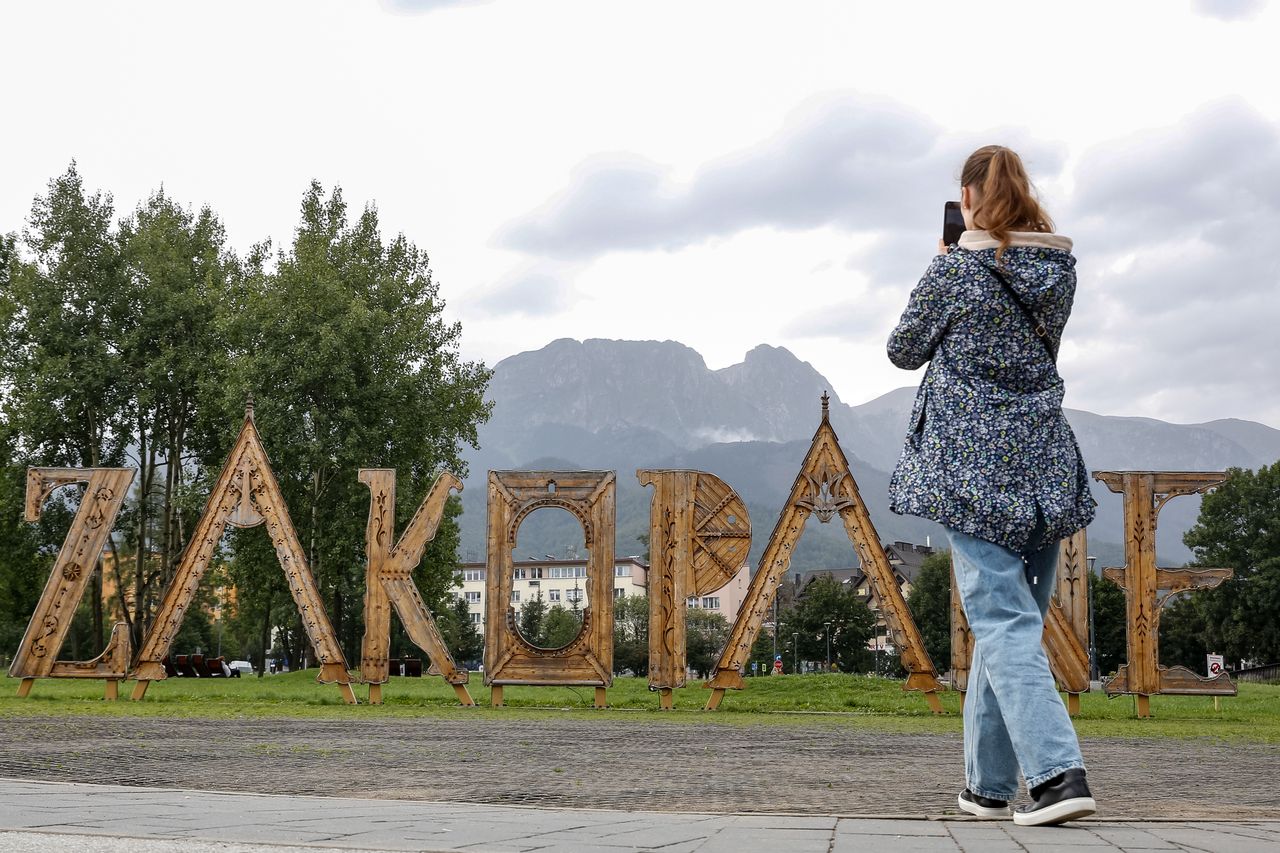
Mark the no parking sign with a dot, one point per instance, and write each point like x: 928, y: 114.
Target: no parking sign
x: 1215, y: 665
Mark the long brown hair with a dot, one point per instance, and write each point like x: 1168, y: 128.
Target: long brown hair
x: 1006, y: 201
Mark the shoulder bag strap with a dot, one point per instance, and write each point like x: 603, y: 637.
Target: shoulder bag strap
x: 1037, y: 325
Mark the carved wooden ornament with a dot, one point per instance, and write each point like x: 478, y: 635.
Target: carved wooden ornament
x: 699, y: 536
x: 1066, y: 626
x: 1147, y: 587
x: 37, y: 654
x: 246, y: 494
x: 586, y: 660
x: 825, y: 487
x: 389, y: 581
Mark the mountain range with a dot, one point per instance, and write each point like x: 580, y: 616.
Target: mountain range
x: 622, y: 405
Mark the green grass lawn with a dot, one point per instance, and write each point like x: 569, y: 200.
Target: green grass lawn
x: 842, y: 700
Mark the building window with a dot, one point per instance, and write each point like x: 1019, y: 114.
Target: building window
x: 692, y: 602
x: 515, y: 596
x: 573, y: 595
x: 711, y: 603
x: 473, y: 598
x: 475, y: 618
x: 535, y: 572
x: 473, y: 575
x: 521, y: 574
x: 553, y: 595
x: 622, y: 571
x: 619, y: 592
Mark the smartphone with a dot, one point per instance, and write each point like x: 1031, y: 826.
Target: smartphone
x: 952, y: 223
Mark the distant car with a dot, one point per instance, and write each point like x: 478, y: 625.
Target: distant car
x: 240, y: 667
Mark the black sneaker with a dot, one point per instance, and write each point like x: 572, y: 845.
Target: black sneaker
x: 982, y: 806
x: 1059, y: 800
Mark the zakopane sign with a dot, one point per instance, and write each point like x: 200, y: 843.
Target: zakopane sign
x: 700, y: 534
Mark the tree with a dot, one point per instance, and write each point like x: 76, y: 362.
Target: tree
x: 1239, y: 528
x: 562, y: 626
x: 631, y: 634
x: 1109, y: 620
x: 1182, y: 632
x: 825, y: 608
x: 63, y: 310
x: 346, y: 354
x: 533, y: 614
x: 930, y: 605
x: 461, y: 637
x: 706, y: 633
x: 178, y: 274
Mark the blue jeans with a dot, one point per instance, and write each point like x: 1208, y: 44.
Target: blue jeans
x: 1013, y: 716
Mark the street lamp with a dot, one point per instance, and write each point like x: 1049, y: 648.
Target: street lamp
x: 795, y: 653
x: 828, y: 626
x: 1093, y: 639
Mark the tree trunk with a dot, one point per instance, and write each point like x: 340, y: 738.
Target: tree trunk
x: 266, y: 635
x: 140, y: 567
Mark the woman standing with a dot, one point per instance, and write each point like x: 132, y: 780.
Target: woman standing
x: 991, y: 457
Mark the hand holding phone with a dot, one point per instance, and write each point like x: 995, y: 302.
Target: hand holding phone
x: 952, y: 223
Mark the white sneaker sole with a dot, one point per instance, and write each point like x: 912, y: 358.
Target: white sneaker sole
x: 1072, y: 809
x: 981, y: 811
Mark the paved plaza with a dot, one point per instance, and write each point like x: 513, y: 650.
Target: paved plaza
x: 55, y: 817
x: 617, y: 782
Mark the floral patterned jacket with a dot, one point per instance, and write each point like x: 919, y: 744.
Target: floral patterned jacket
x: 988, y: 447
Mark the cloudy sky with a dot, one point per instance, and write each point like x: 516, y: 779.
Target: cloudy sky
x: 723, y: 174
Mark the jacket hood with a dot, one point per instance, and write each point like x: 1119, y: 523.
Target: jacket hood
x: 1039, y: 267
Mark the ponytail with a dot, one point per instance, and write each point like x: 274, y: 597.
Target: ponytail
x: 1006, y: 200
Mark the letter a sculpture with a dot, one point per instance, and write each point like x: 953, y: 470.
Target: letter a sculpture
x: 825, y: 487
x: 246, y: 494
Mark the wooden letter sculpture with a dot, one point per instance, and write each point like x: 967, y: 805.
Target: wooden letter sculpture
x: 245, y: 495
x: 587, y: 660
x: 825, y: 488
x: 389, y: 581
x: 37, y: 655
x: 1066, y: 627
x: 699, y: 535
x: 1147, y: 587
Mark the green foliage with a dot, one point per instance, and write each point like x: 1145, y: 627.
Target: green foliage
x: 151, y: 336
x: 930, y: 605
x: 562, y: 625
x: 1182, y: 632
x: 1239, y: 528
x: 533, y: 613
x: 828, y: 608
x: 65, y: 310
x: 631, y: 635
x: 23, y: 567
x: 1109, y: 624
x: 706, y: 633
x: 461, y: 637
x: 351, y: 364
